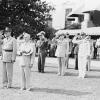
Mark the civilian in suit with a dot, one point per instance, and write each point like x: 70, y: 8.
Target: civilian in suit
x: 9, y: 51
x: 27, y: 50
x: 42, y: 45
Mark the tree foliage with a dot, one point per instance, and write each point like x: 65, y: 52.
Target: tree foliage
x: 24, y: 15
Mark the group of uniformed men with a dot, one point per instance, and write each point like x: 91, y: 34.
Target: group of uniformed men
x: 9, y: 52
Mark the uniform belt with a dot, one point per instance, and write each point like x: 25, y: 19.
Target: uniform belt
x: 8, y: 50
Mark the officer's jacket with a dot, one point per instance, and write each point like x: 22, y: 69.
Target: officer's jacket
x: 42, y: 46
x: 9, y: 49
x: 62, y: 48
x: 84, y: 47
x: 27, y: 50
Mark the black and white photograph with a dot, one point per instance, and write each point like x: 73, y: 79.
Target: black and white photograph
x: 49, y: 50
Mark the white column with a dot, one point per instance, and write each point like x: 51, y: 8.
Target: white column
x: 76, y: 20
x: 86, y: 16
x: 86, y: 20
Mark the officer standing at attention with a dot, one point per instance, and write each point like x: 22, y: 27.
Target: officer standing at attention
x: 9, y: 51
x: 42, y: 45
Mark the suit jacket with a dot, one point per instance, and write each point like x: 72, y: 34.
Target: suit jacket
x: 42, y: 46
x: 62, y: 48
x: 9, y: 49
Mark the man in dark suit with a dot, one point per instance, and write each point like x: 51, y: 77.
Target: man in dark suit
x: 76, y: 48
x: 42, y: 45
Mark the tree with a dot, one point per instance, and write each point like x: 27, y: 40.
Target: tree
x: 24, y: 15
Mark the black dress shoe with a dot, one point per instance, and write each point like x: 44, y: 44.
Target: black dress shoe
x: 9, y: 87
x: 39, y: 71
x: 42, y: 71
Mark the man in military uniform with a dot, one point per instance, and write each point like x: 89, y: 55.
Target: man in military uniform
x: 83, y: 54
x: 9, y: 51
x: 42, y: 50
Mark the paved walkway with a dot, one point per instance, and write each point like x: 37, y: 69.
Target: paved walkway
x: 49, y: 86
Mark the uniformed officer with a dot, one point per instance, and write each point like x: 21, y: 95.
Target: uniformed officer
x: 42, y: 50
x: 27, y: 49
x: 83, y: 54
x: 9, y: 51
x: 62, y: 52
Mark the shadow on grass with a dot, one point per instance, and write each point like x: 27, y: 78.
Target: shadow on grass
x: 95, y: 70
x: 93, y: 76
x: 17, y: 88
x: 45, y: 72
x: 51, y: 66
x: 60, y: 91
x: 71, y: 74
x: 50, y: 72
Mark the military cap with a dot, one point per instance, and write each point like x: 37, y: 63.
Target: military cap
x: 41, y: 33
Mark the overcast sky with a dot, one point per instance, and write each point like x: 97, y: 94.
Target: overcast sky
x: 57, y: 2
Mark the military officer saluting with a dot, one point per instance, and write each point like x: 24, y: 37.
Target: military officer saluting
x: 42, y: 45
x: 9, y: 51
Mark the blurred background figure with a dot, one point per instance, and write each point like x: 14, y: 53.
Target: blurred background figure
x: 95, y: 49
x: 68, y: 40
x: 53, y: 47
x: 97, y: 46
x: 76, y: 49
x: 89, y: 51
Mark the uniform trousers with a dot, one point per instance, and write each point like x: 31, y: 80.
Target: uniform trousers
x: 67, y: 61
x: 61, y: 67
x: 7, y: 73
x: 88, y: 63
x: 82, y: 62
x: 26, y: 73
x: 41, y: 61
x: 76, y: 61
